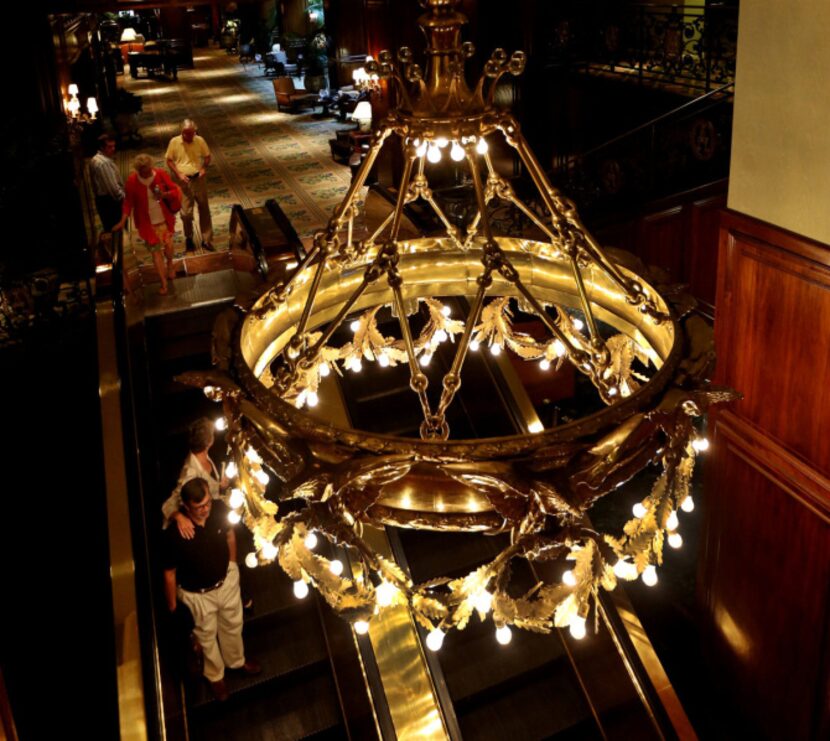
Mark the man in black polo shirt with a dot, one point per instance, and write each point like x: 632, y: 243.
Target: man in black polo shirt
x: 205, y: 571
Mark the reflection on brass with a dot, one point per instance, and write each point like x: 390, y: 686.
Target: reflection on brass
x: 629, y: 336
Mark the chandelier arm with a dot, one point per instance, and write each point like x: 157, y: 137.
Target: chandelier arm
x: 452, y: 379
x: 402, y: 195
x: 336, y: 221
x: 298, y: 337
x: 452, y: 232
x: 583, y: 299
x: 350, y: 227
x: 479, y: 191
x: 279, y: 291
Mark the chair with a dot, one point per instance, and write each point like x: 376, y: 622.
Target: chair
x: 288, y: 96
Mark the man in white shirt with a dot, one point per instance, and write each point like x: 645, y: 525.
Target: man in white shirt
x: 188, y: 157
x: 107, y: 183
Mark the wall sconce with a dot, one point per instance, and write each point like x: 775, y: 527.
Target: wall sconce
x: 73, y: 107
x: 365, y: 81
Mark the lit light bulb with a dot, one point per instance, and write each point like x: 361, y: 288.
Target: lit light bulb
x: 300, y: 589
x: 237, y: 499
x: 577, y: 627
x: 425, y: 358
x: 221, y: 424
x: 421, y: 149
x: 495, y: 349
x: 639, y: 510
x: 474, y: 346
x: 482, y: 147
x: 324, y: 370
x: 569, y: 579
x: 252, y: 455
x: 675, y: 540
x: 336, y: 567
x: 231, y: 470
x: 441, y: 336
x: 355, y: 325
x: 262, y: 477
x: 649, y: 576
x: 234, y: 517
x: 383, y: 359
x: 613, y: 391
x: 310, y: 541
x: 269, y: 551
x: 209, y: 391
x: 361, y: 627
x: 483, y: 601
x: 385, y: 594
x: 559, y: 348
x: 688, y: 504
x: 578, y: 324
x: 356, y: 366
x: 457, y: 152
x: 434, y: 154
x: 671, y: 521
x: 625, y: 570
x: 442, y: 141
x: 251, y: 560
x: 312, y: 399
x: 700, y: 444
x: 446, y: 310
x: 504, y: 635
x: 435, y: 639
x: 544, y: 364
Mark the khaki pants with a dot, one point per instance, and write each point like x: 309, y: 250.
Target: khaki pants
x: 218, y: 619
x: 196, y: 192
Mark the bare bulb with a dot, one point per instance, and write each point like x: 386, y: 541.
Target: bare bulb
x: 435, y: 639
x: 559, y: 348
x: 446, y: 310
x: 300, y: 589
x: 612, y: 391
x: 544, y: 364
x: 442, y: 141
x: 234, y: 517
x: 441, y: 336
x: 434, y: 154
x: 356, y: 366
x: 269, y: 551
x: 425, y: 359
x: 482, y: 147
x: 483, y: 601
x: 209, y: 391
x: 262, y: 477
x: 231, y: 470
x: 579, y: 325
x: 504, y: 635
x: 324, y: 370
x: 385, y: 594
x: 569, y: 579
x: 625, y: 570
x: 688, y: 504
x: 457, y: 152
x: 252, y: 455
x: 577, y: 627
x: 672, y: 522
x: 336, y: 567
x: 355, y: 325
x: 639, y: 510
x: 237, y: 499
x: 312, y: 399
x: 495, y: 349
x: 675, y: 540
x: 700, y: 444
x: 421, y: 149
x: 649, y: 576
x: 251, y: 560
x: 361, y: 627
x: 220, y: 424
x: 310, y: 541
x: 474, y: 346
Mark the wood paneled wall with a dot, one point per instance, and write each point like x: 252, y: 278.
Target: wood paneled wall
x: 679, y: 235
x: 765, y: 570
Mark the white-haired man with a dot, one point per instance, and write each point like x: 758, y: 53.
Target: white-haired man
x: 188, y: 157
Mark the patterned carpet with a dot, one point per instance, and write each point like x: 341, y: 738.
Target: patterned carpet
x: 258, y: 152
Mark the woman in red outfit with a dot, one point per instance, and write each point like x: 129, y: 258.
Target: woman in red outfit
x: 153, y: 198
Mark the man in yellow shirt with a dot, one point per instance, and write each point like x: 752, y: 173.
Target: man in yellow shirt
x: 188, y: 157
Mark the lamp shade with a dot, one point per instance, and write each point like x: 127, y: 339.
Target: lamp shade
x: 363, y: 115
x: 72, y: 89
x: 128, y: 35
x: 92, y: 106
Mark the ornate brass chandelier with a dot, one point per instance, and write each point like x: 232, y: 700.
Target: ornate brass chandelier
x: 606, y: 320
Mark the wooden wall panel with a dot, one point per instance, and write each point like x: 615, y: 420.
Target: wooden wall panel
x: 702, y: 254
x: 765, y: 568
x: 767, y: 582
x: 660, y: 241
x: 773, y: 337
